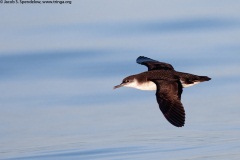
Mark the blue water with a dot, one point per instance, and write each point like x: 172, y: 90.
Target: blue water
x: 59, y: 64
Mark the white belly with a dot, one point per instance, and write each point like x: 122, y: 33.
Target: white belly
x: 143, y: 86
x: 147, y: 86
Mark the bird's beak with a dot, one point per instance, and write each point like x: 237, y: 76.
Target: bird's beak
x: 118, y: 86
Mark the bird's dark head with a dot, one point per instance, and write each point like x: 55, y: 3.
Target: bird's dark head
x: 129, y: 81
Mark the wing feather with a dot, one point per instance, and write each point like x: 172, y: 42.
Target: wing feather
x: 153, y: 64
x: 168, y: 98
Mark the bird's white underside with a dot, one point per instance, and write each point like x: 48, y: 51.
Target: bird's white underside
x: 151, y: 86
x: 188, y: 85
x: 142, y: 86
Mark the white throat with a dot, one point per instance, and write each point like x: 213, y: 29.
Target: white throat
x: 149, y: 85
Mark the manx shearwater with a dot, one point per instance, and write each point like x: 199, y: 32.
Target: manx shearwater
x: 168, y: 84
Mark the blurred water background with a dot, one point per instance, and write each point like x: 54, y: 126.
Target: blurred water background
x: 59, y: 63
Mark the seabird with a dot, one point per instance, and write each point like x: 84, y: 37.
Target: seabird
x: 168, y: 84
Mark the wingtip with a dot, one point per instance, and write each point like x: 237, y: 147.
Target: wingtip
x: 142, y: 59
x: 176, y: 120
x: 139, y: 58
x: 178, y: 124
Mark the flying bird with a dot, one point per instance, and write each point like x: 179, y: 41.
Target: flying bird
x: 168, y: 85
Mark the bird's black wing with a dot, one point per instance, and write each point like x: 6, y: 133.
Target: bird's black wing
x: 153, y: 64
x: 168, y: 97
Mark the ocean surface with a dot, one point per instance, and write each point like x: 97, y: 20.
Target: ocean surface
x: 59, y: 63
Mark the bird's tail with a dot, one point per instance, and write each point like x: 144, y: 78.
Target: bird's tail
x: 203, y: 78
x: 192, y: 80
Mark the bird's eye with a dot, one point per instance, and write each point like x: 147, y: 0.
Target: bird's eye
x: 126, y: 81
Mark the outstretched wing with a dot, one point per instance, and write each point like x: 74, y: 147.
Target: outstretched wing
x: 153, y: 64
x: 168, y: 97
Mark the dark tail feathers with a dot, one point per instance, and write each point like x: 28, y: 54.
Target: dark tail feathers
x: 203, y: 78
